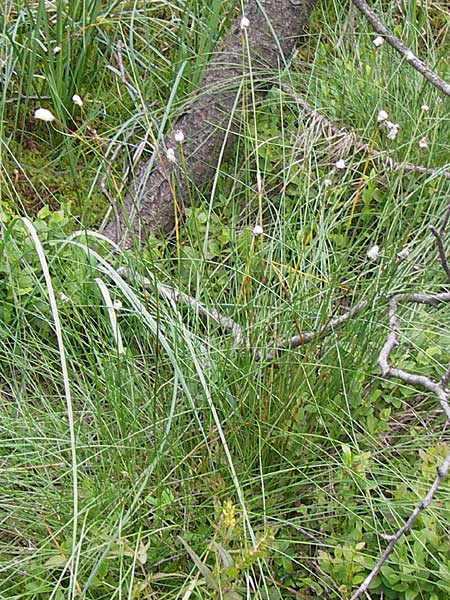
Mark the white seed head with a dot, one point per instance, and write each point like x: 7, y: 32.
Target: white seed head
x: 117, y: 305
x: 403, y: 254
x: 170, y: 154
x: 372, y: 253
x: 425, y: 107
x: 56, y: 50
x: 64, y: 297
x: 378, y: 41
x: 394, y: 128
x: 179, y: 136
x: 77, y: 100
x: 327, y: 182
x: 340, y: 164
x: 382, y: 116
x: 245, y: 23
x: 257, y: 230
x: 423, y: 143
x: 42, y: 114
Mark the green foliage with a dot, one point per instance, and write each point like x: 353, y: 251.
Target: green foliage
x: 318, y: 453
x: 231, y: 561
x: 20, y: 269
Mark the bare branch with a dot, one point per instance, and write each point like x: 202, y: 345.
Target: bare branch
x: 441, y: 250
x: 349, y: 140
x: 175, y: 295
x: 307, y: 337
x: 442, y: 471
x: 123, y: 77
x: 438, y: 388
x: 392, y: 341
x: 439, y: 235
x: 229, y: 324
x: 405, y: 52
x: 445, y: 379
x: 442, y: 394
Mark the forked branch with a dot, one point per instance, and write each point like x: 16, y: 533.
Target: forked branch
x: 438, y: 388
x: 405, y: 52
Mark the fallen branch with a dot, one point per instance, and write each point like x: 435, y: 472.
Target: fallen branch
x: 229, y: 324
x: 348, y: 140
x: 308, y: 336
x: 176, y: 296
x: 442, y: 471
x: 438, y: 388
x: 421, y: 381
x: 122, y: 74
x: 405, y: 52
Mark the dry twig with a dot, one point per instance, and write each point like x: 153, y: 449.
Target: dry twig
x: 235, y: 329
x: 348, y: 140
x: 405, y: 52
x: 308, y: 336
x: 123, y: 78
x: 175, y: 295
x: 438, y: 388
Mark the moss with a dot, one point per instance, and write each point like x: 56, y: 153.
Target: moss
x: 33, y: 181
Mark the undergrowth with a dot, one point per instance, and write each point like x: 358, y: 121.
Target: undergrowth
x: 172, y: 463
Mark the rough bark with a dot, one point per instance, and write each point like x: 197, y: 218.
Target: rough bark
x: 275, y: 26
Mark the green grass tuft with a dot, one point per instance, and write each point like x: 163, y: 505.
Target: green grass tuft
x: 174, y: 465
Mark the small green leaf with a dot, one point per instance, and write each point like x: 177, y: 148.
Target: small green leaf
x: 204, y: 570
x: 57, y: 561
x: 226, y: 558
x: 232, y: 596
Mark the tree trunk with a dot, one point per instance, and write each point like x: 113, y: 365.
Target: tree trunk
x: 273, y: 29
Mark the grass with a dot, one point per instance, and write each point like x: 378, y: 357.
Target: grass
x: 182, y: 467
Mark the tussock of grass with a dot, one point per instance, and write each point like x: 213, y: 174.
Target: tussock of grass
x: 292, y: 468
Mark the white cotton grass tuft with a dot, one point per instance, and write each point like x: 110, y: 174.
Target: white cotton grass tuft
x: 179, y: 136
x: 64, y: 297
x: 257, y: 230
x: 56, y: 50
x: 424, y: 108
x: 327, y: 182
x: 340, y: 164
x: 170, y: 154
x: 394, y: 128
x: 77, y: 100
x: 372, y: 253
x: 245, y: 23
x: 403, y: 254
x: 423, y: 143
x: 378, y: 41
x: 382, y: 116
x: 42, y: 114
